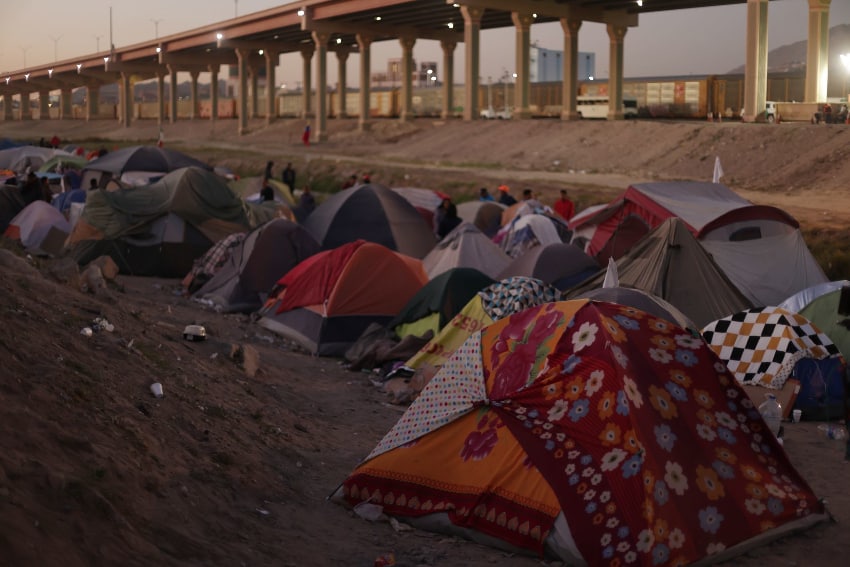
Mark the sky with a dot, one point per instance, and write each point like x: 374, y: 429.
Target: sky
x: 684, y: 42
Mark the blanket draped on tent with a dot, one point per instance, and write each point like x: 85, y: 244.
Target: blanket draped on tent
x: 761, y: 346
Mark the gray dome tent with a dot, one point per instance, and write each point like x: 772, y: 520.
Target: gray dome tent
x: 373, y: 213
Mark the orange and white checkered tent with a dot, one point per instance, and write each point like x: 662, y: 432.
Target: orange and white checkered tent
x: 761, y: 346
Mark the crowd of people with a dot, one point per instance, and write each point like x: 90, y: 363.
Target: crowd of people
x: 564, y: 207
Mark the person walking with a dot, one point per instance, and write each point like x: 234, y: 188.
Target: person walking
x: 305, y: 137
x: 267, y: 174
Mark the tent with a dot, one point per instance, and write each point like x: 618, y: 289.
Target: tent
x: 425, y: 201
x: 11, y: 203
x: 162, y: 228
x: 823, y: 311
x: 486, y: 215
x: 761, y: 346
x: 373, y: 213
x: 642, y: 300
x: 209, y: 264
x: 35, y: 223
x: 19, y: 158
x: 802, y: 298
x: 751, y: 242
x: 560, y: 264
x: 439, y: 301
x: 529, y: 230
x: 670, y: 263
x: 327, y: 301
x: 492, y: 303
x: 592, y: 434
x: 66, y: 161
x: 614, y: 229
x: 746, y: 241
x: 256, y: 263
x: 137, y: 165
x: 465, y: 247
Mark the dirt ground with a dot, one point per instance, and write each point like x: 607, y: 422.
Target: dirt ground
x: 233, y: 467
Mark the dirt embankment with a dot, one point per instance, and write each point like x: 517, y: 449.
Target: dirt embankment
x: 800, y: 167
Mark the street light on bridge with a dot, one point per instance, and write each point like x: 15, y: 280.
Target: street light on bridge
x: 55, y: 46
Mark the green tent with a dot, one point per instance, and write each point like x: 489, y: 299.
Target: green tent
x: 161, y: 228
x: 439, y: 301
x: 823, y: 312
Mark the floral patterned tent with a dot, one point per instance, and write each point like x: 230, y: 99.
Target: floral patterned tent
x: 593, y: 432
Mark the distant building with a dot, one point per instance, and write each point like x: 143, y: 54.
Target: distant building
x: 232, y: 80
x: 547, y: 65
x: 422, y: 75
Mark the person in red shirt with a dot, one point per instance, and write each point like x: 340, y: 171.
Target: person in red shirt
x: 564, y: 206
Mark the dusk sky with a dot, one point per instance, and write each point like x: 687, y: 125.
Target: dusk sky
x: 699, y: 41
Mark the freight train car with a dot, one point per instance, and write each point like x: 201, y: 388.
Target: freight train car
x: 676, y: 97
x: 657, y: 97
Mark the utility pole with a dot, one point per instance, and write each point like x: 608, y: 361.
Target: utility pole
x: 156, y: 27
x: 55, y: 44
x: 489, y: 93
x: 25, y: 49
x: 97, y: 38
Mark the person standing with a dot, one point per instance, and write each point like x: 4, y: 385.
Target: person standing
x: 288, y: 177
x: 266, y: 193
x: 307, y: 202
x: 449, y: 221
x: 350, y: 182
x: 484, y: 195
x: 564, y: 206
x: 505, y: 196
x: 305, y: 137
x: 267, y: 174
x: 440, y: 214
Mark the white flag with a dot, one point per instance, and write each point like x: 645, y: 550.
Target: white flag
x: 612, y: 278
x: 718, y: 170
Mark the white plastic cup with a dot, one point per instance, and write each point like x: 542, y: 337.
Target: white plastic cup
x: 156, y: 389
x: 796, y: 415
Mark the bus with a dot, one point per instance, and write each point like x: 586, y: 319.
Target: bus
x: 596, y: 106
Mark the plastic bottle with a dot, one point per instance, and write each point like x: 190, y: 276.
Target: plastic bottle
x: 771, y: 412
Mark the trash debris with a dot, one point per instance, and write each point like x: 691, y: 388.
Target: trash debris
x: 86, y: 331
x: 263, y: 512
x: 369, y: 511
x: 398, y: 526
x: 833, y: 431
x: 101, y: 324
x: 194, y: 333
x: 156, y: 389
x: 213, y: 356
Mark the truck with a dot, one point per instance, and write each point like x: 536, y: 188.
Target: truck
x: 490, y: 113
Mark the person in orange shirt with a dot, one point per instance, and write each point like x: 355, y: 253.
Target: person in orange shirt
x: 564, y: 206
